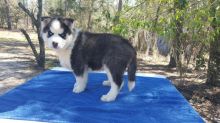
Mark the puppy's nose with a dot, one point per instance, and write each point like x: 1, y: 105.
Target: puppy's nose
x: 55, y: 44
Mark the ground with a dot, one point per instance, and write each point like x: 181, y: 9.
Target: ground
x: 17, y: 65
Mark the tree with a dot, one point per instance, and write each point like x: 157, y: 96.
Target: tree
x: 179, y: 6
x: 117, y: 16
x: 40, y: 57
x: 2, y: 14
x: 8, y: 14
x: 213, y: 73
x: 89, y: 27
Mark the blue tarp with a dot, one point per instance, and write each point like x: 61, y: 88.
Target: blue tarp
x: 48, y: 97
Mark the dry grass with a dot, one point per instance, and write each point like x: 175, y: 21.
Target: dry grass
x: 15, y: 35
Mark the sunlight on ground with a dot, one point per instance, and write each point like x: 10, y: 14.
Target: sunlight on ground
x: 16, y: 35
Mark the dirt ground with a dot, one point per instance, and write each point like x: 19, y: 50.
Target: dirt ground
x: 17, y: 65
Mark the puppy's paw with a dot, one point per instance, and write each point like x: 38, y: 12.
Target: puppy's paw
x: 107, y: 98
x: 78, y: 88
x: 106, y: 83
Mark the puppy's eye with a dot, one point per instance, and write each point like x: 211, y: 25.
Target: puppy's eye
x: 63, y: 35
x: 50, y: 33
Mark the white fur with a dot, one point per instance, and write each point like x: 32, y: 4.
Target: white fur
x: 56, y: 27
x: 122, y: 84
x: 65, y: 53
x: 112, y: 94
x: 72, y: 39
x: 81, y: 82
x: 64, y: 58
x: 44, y: 36
x: 131, y: 85
x: 106, y: 83
x: 57, y: 39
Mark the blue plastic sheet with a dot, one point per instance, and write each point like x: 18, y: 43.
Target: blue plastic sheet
x: 49, y: 98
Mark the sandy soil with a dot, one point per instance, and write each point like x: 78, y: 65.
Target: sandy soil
x: 17, y: 65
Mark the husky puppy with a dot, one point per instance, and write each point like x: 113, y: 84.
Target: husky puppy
x: 80, y: 51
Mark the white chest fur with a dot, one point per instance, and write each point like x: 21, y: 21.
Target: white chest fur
x: 64, y: 58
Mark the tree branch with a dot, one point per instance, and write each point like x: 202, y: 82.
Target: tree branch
x: 134, y: 7
x: 28, y: 12
x: 30, y: 43
x: 156, y: 17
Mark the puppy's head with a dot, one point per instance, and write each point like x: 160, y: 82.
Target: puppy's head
x: 57, y: 32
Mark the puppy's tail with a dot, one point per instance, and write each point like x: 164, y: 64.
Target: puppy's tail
x: 132, y: 67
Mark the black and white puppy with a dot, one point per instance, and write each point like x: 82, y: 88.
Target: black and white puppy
x: 80, y: 51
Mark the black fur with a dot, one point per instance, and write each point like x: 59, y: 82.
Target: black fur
x: 95, y: 50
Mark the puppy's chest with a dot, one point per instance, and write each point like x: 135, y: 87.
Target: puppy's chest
x: 64, y: 58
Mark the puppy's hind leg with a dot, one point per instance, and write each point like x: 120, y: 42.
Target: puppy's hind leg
x: 106, y: 83
x: 112, y: 94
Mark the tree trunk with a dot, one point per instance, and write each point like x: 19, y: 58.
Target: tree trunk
x: 177, y: 45
x: 65, y: 8
x: 41, y: 42
x: 172, y: 63
x: 89, y: 26
x: 80, y: 13
x: 156, y: 17
x: 213, y: 77
x: 117, y: 16
x: 8, y: 16
x: 89, y: 21
x: 213, y: 73
x: 40, y: 57
x: 178, y: 5
x: 153, y: 39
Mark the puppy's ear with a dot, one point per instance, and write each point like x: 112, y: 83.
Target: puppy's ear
x: 45, y: 19
x: 69, y: 22
x: 44, y: 22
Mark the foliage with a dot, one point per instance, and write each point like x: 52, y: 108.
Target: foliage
x: 184, y: 22
x: 15, y: 13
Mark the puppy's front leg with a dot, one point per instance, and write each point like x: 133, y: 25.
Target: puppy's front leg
x: 81, y: 82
